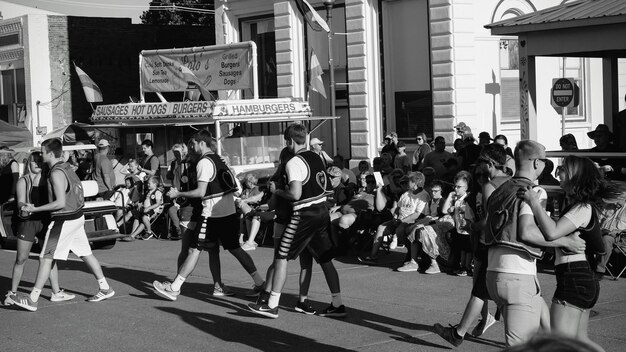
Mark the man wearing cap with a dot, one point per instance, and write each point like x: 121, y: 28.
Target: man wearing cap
x: 603, y: 138
x: 484, y: 138
x: 316, y: 146
x: 103, y: 170
x: 391, y: 141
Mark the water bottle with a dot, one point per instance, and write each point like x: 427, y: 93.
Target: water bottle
x: 556, y: 212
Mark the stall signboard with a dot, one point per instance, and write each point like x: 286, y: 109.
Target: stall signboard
x: 214, y: 68
x: 151, y: 111
x: 233, y: 110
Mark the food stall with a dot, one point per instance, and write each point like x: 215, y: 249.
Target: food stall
x: 249, y: 131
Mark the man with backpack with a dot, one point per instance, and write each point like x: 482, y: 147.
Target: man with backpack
x: 514, y: 243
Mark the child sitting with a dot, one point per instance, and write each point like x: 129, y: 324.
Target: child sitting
x: 460, y: 205
x: 408, y: 209
x: 151, y: 208
x: 249, y: 199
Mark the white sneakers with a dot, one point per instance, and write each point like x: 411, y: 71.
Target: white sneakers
x: 61, y: 296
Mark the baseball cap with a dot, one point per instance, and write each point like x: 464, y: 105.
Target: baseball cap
x: 316, y: 141
x: 103, y: 143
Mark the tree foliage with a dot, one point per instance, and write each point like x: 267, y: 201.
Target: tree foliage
x: 160, y: 16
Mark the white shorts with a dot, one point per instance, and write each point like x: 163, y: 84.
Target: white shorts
x: 64, y: 236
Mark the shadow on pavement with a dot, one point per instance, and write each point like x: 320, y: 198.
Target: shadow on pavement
x: 253, y: 334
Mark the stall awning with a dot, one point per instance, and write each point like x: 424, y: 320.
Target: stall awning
x: 202, y: 112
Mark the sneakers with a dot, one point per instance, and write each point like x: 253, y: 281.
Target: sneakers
x: 305, y: 307
x: 448, y: 334
x: 23, y: 301
x: 248, y: 247
x: 263, y: 298
x: 147, y: 235
x: 128, y: 239
x: 101, y: 295
x: 408, y: 267
x: 222, y: 291
x: 164, y: 289
x: 461, y: 272
x: 7, y: 299
x: 368, y: 260
x: 334, y: 312
x: 61, y: 296
x: 483, y: 325
x: 433, y: 268
x: 264, y: 310
x: 256, y: 290
x: 394, y: 242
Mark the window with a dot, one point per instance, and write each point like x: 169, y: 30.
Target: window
x: 261, y: 32
x: 575, y: 67
x: 509, y: 80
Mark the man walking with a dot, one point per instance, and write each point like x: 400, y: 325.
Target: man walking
x: 307, y: 229
x: 67, y: 231
x: 219, y: 222
x: 103, y: 171
x: 514, y: 243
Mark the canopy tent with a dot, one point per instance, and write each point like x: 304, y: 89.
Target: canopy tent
x: 11, y: 135
x: 71, y: 134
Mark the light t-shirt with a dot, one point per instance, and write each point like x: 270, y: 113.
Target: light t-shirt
x: 216, y: 207
x: 297, y: 170
x: 509, y: 260
x: 410, y: 203
x: 580, y: 216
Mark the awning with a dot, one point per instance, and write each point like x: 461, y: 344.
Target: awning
x: 11, y: 135
x: 71, y: 134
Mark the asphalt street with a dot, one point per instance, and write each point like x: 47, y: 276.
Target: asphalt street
x: 387, y: 310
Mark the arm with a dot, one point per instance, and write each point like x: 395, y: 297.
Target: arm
x: 194, y: 193
x: 170, y: 171
x: 21, y: 193
x: 159, y: 201
x: 292, y: 193
x: 380, y: 199
x: 448, y: 205
x: 59, y: 185
x: 530, y: 233
x: 253, y: 199
x: 551, y: 230
x: 15, y: 172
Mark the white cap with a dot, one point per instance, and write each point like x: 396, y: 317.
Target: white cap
x: 315, y: 141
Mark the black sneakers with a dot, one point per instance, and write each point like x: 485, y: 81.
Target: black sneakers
x: 334, y: 312
x: 449, y: 334
x: 264, y: 310
x: 305, y: 307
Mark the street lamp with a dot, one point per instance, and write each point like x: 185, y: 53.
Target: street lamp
x: 329, y: 17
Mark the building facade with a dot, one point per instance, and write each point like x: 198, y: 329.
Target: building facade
x: 40, y: 89
x: 413, y: 66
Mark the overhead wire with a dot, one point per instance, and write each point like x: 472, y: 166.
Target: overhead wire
x: 171, y: 6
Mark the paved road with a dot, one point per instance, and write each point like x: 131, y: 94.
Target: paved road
x: 388, y: 311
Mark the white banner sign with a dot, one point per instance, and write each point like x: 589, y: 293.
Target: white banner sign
x: 138, y: 111
x: 223, y: 69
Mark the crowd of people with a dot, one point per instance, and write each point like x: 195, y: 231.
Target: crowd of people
x: 479, y: 211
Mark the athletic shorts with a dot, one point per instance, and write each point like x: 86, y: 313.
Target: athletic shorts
x: 576, y: 285
x: 307, y: 229
x: 224, y: 230
x: 479, y: 287
x: 27, y: 230
x: 64, y: 236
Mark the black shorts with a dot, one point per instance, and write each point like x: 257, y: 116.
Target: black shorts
x: 27, y: 230
x: 224, y: 230
x: 576, y: 284
x: 461, y: 242
x: 307, y: 229
x: 479, y: 288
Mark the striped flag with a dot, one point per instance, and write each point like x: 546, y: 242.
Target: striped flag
x: 91, y: 89
x: 315, y: 74
x: 311, y: 16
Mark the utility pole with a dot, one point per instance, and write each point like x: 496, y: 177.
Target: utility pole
x: 331, y: 68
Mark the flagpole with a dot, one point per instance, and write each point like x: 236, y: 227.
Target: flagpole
x: 331, y: 69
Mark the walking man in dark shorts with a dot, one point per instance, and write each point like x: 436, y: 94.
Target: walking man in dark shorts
x: 307, y: 228
x: 219, y: 222
x: 67, y: 231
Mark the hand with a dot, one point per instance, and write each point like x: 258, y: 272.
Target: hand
x: 28, y: 208
x: 574, y: 243
x: 173, y: 193
x: 528, y: 195
x: 271, y: 186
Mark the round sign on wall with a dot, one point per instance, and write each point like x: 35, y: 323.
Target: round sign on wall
x: 564, y: 93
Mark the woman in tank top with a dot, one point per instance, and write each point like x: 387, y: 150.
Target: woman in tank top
x: 577, y: 288
x: 32, y: 189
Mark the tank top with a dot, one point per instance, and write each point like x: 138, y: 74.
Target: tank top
x: 36, y: 195
x: 74, y: 199
x: 315, y: 186
x: 223, y: 181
